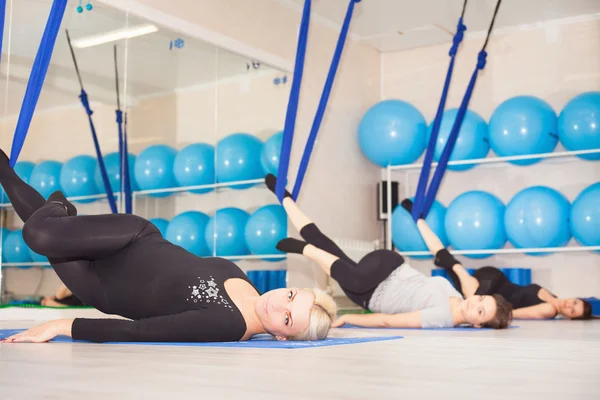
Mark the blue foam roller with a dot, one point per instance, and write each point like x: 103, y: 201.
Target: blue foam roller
x: 262, y: 281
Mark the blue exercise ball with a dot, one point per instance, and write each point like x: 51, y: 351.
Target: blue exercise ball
x: 472, y: 141
x: 23, y: 169
x: 188, y: 230
x: 474, y: 221
x: 579, y: 124
x: 195, y: 165
x: 585, y: 216
x: 45, y: 177
x: 271, y: 151
x: 238, y: 159
x: 392, y: 132
x: 35, y: 257
x: 15, y: 249
x: 523, y: 125
x: 161, y: 224
x: 538, y: 217
x: 77, y: 177
x: 227, y: 228
x: 4, y: 232
x: 154, y: 169
x: 265, y: 228
x: 112, y: 163
x: 405, y: 234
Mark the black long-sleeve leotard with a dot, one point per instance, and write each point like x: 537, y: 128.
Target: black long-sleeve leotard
x: 121, y: 265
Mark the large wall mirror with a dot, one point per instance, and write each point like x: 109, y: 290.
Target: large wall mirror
x: 202, y: 126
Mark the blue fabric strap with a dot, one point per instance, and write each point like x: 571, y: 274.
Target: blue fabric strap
x: 424, y: 201
x: 126, y: 177
x: 445, y: 157
x: 323, y: 102
x: 2, y: 16
x: 124, y: 160
x: 292, y: 109
x: 37, y: 77
x: 109, y: 193
x: 424, y: 177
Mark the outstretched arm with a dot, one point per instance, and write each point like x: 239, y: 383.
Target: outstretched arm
x: 539, y: 311
x: 405, y: 320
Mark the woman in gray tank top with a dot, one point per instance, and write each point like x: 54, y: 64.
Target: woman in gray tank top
x: 382, y: 282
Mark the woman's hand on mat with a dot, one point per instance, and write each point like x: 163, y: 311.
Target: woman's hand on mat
x: 340, y: 321
x: 42, y: 333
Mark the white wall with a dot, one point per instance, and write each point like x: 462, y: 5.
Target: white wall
x: 555, y: 63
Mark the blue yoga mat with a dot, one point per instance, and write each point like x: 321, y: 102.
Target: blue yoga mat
x: 457, y: 328
x: 257, y: 342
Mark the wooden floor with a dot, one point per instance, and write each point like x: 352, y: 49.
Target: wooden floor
x: 558, y: 359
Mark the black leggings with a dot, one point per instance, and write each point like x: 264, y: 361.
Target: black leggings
x: 358, y: 281
x: 65, y: 240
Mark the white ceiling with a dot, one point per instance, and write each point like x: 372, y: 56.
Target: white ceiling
x: 428, y: 22
x: 152, y: 68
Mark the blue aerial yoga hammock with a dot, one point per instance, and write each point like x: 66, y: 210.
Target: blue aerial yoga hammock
x: 2, y: 16
x: 424, y: 198
x: 88, y: 110
x: 37, y: 77
x: 292, y: 109
x: 123, y: 152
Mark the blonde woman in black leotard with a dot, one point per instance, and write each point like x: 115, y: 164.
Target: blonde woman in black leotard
x: 120, y: 264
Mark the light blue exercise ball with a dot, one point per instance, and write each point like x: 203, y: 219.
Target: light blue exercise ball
x: 112, y: 162
x: 472, y: 142
x: 35, y: 257
x: 161, y: 224
x: 15, y: 249
x: 536, y: 217
x: 77, y: 177
x: 23, y: 169
x: 195, y: 165
x: 238, y: 159
x: 45, y: 177
x: 154, y: 169
x: 392, y: 132
x: 523, y: 125
x: 227, y: 228
x: 585, y: 216
x: 405, y: 234
x: 271, y: 151
x: 4, y: 232
x: 265, y: 228
x: 579, y: 124
x: 188, y: 230
x: 475, y: 221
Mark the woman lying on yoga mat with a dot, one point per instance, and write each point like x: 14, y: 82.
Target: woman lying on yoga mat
x: 529, y: 302
x: 382, y: 282
x: 120, y: 264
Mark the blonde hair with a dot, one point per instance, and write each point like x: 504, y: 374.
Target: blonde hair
x: 321, y: 316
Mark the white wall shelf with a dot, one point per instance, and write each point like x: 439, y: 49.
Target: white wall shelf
x: 218, y: 187
x: 248, y: 257
x: 568, y: 249
x: 498, y: 160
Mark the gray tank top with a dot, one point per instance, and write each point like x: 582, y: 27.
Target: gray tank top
x: 407, y: 290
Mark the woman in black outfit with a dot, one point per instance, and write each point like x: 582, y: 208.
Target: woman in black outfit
x: 529, y: 302
x: 120, y: 264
